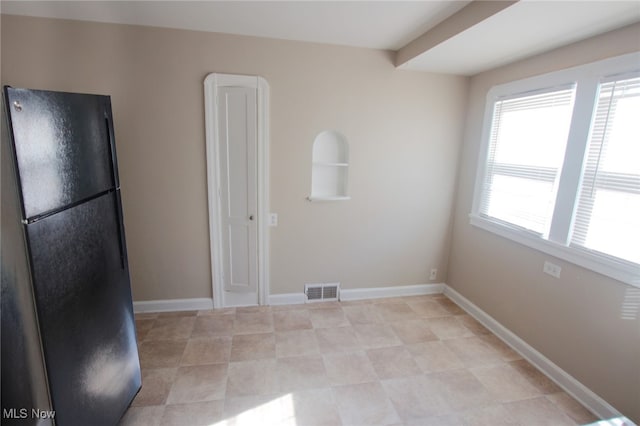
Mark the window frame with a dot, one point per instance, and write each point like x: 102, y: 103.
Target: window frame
x: 587, y: 79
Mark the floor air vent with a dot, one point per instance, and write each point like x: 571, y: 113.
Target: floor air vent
x: 322, y: 292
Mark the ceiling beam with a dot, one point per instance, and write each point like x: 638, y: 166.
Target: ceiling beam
x: 472, y: 14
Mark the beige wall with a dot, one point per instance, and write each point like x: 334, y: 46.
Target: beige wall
x: 576, y: 320
x: 404, y: 130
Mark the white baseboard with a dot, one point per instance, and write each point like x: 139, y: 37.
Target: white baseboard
x: 397, y: 291
x: 171, y: 305
x: 580, y: 392
x: 290, y: 298
x: 287, y: 299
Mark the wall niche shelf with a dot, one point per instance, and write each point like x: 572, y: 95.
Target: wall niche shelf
x: 329, y: 167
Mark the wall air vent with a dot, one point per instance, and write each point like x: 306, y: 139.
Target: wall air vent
x: 322, y: 292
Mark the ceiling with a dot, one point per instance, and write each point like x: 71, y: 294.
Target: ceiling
x: 457, y: 37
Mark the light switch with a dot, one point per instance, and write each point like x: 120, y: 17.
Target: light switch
x: 551, y: 269
x: 273, y: 219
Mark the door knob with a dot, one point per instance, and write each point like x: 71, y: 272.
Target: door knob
x: 251, y: 217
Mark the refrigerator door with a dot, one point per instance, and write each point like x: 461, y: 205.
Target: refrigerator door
x: 62, y: 144
x: 83, y: 300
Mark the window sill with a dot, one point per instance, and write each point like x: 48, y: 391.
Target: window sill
x: 619, y: 271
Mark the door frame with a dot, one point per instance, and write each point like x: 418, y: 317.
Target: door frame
x: 212, y: 83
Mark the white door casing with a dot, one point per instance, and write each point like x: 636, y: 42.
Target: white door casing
x: 236, y: 118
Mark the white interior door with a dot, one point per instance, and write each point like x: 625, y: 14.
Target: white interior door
x: 237, y: 126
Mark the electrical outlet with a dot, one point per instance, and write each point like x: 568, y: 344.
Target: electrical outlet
x: 552, y: 269
x: 433, y: 274
x: 273, y: 219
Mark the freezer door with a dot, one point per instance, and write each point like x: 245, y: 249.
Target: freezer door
x: 83, y: 301
x: 63, y: 147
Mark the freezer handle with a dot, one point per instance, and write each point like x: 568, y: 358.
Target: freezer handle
x: 108, y: 121
x: 120, y: 224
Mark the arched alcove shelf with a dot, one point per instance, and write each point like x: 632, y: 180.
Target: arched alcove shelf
x: 330, y: 167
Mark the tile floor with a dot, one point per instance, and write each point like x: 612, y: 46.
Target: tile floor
x: 403, y: 361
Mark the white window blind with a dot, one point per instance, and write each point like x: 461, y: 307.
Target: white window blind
x: 608, y: 214
x: 526, y: 151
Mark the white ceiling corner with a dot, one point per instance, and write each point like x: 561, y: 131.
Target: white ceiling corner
x: 523, y: 30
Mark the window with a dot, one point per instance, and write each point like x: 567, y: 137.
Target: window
x: 560, y: 168
x: 525, y: 158
x: 608, y: 216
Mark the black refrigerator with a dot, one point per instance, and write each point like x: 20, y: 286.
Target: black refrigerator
x: 68, y: 331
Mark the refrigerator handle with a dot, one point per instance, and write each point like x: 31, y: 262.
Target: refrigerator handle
x: 120, y: 224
